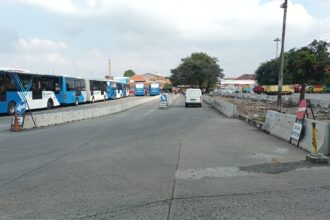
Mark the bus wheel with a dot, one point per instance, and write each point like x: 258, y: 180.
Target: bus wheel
x: 76, y: 102
x: 50, y: 104
x: 11, y: 108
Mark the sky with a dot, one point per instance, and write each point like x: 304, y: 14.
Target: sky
x: 78, y: 37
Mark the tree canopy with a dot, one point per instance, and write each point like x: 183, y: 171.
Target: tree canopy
x: 198, y: 70
x: 309, y: 64
x: 129, y: 73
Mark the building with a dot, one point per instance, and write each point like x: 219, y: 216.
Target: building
x: 243, y: 81
x: 149, y: 78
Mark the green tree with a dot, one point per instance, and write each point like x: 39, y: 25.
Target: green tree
x: 129, y: 73
x: 198, y: 70
x: 267, y: 72
x: 309, y: 64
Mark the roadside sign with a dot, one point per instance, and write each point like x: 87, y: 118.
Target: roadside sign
x: 21, y: 108
x: 20, y: 120
x: 296, y: 131
x: 163, y: 98
x: 302, y: 108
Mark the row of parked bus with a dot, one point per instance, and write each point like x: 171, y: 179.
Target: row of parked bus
x: 46, y: 91
x: 141, y: 90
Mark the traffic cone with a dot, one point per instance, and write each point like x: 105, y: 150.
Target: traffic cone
x: 16, y: 124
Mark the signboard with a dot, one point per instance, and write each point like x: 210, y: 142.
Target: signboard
x: 20, y: 121
x: 302, y: 108
x: 296, y: 131
x: 163, y: 98
x: 21, y: 108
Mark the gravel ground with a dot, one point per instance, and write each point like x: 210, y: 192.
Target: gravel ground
x: 258, y: 109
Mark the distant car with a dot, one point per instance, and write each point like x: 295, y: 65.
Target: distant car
x: 309, y: 89
x: 226, y: 91
x: 193, y: 97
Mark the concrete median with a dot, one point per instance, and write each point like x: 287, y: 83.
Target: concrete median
x: 43, y: 120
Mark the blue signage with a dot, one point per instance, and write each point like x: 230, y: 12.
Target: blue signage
x: 21, y: 108
x: 163, y: 98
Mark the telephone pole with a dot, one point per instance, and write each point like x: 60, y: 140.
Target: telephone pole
x: 277, y: 40
x: 109, y: 69
x: 280, y: 77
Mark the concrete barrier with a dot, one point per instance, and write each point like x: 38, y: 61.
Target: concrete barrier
x: 228, y: 109
x: 43, y: 120
x: 208, y: 99
x: 280, y: 125
x: 28, y: 122
x: 49, y: 119
x: 88, y: 113
x: 78, y: 115
x: 67, y: 116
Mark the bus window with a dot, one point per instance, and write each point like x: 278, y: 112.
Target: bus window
x: 25, y: 80
x: 36, y: 87
x: 83, y: 85
x: 2, y: 88
x: 10, y: 84
x: 70, y: 86
x: 77, y: 84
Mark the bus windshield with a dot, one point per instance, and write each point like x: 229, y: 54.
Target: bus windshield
x: 139, y: 86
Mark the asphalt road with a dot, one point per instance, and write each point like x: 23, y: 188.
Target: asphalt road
x: 147, y: 163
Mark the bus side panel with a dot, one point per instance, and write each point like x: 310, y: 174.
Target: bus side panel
x: 11, y: 97
x: 82, y: 98
x: 88, y: 91
x: 3, y: 93
x: 3, y: 107
x: 66, y: 97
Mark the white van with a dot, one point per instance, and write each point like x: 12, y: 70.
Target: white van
x: 193, y: 97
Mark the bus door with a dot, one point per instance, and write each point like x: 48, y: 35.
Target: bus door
x: 36, y: 87
x: 77, y: 85
x: 103, y: 87
x: 3, y: 96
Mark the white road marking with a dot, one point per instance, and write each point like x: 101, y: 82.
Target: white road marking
x: 263, y: 156
x: 315, y: 168
x: 217, y: 172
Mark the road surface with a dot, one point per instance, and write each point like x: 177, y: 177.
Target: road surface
x: 147, y: 163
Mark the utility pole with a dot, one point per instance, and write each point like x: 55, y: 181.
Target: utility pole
x: 280, y: 77
x: 277, y: 40
x: 109, y: 69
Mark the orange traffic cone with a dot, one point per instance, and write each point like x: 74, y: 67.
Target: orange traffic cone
x: 16, y: 124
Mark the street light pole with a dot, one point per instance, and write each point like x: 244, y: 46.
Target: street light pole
x: 280, y: 77
x: 277, y: 40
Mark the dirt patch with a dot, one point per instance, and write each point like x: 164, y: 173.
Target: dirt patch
x: 257, y: 109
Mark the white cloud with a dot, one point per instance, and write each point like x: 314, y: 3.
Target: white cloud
x: 92, y: 63
x: 152, y: 35
x: 40, y: 44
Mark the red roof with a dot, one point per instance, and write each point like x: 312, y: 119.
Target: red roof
x: 247, y: 77
x: 138, y: 78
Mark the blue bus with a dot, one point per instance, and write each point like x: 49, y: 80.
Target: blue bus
x: 37, y: 91
x: 111, y: 89
x: 125, y: 89
x: 139, y: 89
x: 154, y: 89
x: 72, y: 90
